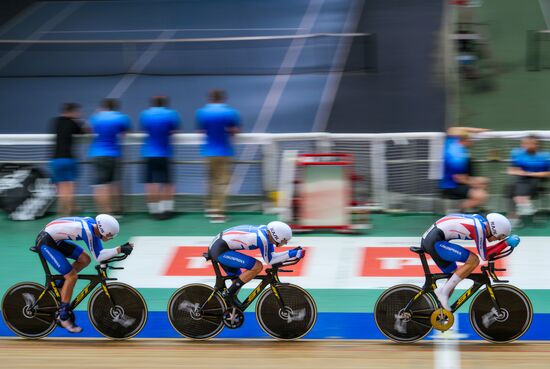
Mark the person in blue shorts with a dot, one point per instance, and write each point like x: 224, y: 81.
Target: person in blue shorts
x: 225, y: 248
x: 219, y: 122
x: 159, y: 122
x: 105, y: 150
x: 531, y: 168
x: 482, y: 230
x: 55, y: 243
x: 458, y: 182
x: 63, y: 164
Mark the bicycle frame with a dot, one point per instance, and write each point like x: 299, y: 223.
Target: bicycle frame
x: 480, y: 279
x: 270, y: 278
x: 95, y: 279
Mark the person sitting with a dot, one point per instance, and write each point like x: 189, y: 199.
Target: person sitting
x: 530, y: 169
x: 458, y: 183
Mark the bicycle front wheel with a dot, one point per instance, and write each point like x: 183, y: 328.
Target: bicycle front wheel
x: 196, y: 311
x: 28, y: 314
x: 121, y: 316
x: 288, y: 313
x: 508, y: 324
x: 400, y: 324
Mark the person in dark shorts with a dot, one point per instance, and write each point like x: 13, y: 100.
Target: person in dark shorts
x: 530, y: 168
x: 159, y: 122
x: 105, y: 151
x: 458, y: 183
x: 63, y: 165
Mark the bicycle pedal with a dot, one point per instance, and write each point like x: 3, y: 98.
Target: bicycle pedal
x: 442, y: 319
x: 233, y: 318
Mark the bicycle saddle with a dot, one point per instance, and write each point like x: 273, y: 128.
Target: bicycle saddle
x: 417, y: 250
x: 33, y: 248
x: 207, y: 256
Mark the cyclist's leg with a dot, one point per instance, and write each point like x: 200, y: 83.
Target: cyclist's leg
x: 81, y: 259
x: 233, y: 259
x: 60, y: 263
x: 453, y: 253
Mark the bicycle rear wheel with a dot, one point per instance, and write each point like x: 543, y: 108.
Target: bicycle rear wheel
x: 513, y: 320
x: 402, y: 325
x: 24, y: 316
x: 294, y: 320
x: 196, y: 311
x: 125, y: 318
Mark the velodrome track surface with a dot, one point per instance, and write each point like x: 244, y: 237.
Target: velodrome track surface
x: 137, y: 354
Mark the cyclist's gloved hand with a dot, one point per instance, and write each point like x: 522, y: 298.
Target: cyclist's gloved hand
x: 513, y: 240
x: 297, y: 253
x: 127, y: 248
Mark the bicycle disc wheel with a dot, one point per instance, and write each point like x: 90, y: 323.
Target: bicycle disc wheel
x: 513, y: 320
x: 402, y: 325
x: 195, y: 311
x: 292, y: 321
x: 125, y: 318
x: 22, y: 318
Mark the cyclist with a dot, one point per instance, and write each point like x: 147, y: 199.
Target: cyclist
x: 224, y: 249
x: 54, y: 242
x: 435, y: 242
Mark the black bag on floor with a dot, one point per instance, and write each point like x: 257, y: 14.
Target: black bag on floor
x: 26, y: 192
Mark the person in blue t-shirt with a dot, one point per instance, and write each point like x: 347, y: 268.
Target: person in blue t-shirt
x: 458, y: 182
x: 159, y: 123
x: 219, y: 122
x: 105, y: 152
x: 530, y: 167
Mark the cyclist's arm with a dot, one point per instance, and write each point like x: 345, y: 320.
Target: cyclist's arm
x: 106, y: 254
x: 96, y: 247
x: 480, y: 239
x: 279, y: 257
x: 496, y: 248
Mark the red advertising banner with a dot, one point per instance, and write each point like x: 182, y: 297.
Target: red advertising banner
x: 401, y: 262
x: 188, y: 261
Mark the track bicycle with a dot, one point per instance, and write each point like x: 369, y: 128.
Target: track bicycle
x: 116, y: 310
x: 284, y: 311
x: 499, y: 313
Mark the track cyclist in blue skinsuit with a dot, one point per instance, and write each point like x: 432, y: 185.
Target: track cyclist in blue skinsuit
x: 435, y: 242
x: 224, y: 249
x: 54, y: 242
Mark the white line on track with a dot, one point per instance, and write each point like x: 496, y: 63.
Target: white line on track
x: 276, y: 91
x: 49, y: 25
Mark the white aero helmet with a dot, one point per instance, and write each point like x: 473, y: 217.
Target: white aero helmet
x: 280, y: 231
x: 499, y: 224
x: 108, y: 226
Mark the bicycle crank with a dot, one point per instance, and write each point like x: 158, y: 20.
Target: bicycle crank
x: 233, y: 318
x: 442, y: 320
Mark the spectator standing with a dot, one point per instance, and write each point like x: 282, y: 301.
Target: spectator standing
x: 219, y: 122
x: 159, y: 122
x: 530, y: 167
x: 105, y: 151
x: 458, y: 183
x: 63, y: 164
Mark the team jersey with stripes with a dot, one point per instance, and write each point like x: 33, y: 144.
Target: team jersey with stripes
x: 248, y: 237
x: 464, y: 227
x: 78, y: 229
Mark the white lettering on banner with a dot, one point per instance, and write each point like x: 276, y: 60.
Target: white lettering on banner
x: 400, y: 263
x: 197, y: 262
x: 331, y: 262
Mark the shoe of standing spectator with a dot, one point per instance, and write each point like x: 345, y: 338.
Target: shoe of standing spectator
x: 218, y: 218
